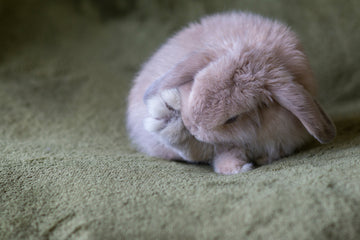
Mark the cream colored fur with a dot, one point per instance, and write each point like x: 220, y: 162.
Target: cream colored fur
x: 232, y: 90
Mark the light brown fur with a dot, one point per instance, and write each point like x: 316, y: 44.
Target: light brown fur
x: 234, y: 89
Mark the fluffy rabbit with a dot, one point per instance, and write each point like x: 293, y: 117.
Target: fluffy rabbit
x: 233, y: 90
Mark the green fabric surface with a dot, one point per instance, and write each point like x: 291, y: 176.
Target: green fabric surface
x: 68, y: 170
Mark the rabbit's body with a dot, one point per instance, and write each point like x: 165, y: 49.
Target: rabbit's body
x: 233, y: 89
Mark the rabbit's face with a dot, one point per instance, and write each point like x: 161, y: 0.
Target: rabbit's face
x: 228, y: 98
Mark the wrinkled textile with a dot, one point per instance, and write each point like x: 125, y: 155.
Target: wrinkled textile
x: 68, y: 170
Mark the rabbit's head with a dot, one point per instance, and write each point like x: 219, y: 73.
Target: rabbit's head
x: 238, y: 97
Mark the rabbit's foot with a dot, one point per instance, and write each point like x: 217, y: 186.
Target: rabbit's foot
x: 165, y: 118
x: 229, y: 165
x: 165, y: 122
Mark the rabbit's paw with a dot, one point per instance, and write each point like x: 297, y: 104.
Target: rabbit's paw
x: 229, y: 166
x: 165, y: 118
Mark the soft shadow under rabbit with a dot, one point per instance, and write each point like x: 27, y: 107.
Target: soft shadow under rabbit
x: 232, y: 90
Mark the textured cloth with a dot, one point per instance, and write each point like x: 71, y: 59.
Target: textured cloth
x: 68, y: 170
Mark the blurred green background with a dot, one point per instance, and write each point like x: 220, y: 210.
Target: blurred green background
x: 329, y: 29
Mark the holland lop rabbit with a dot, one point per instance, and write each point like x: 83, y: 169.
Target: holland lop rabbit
x: 233, y: 90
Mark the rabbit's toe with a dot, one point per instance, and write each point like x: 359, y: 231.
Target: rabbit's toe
x: 247, y: 167
x: 157, y: 108
x: 153, y: 124
x: 172, y: 99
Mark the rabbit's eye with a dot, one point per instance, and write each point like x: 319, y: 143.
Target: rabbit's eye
x: 231, y: 120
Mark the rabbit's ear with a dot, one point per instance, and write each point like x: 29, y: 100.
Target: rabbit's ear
x: 299, y: 102
x: 181, y: 73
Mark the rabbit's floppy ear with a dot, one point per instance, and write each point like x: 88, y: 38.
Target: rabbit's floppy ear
x: 296, y: 99
x: 181, y: 73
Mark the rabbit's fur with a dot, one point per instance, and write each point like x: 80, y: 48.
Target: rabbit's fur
x: 232, y: 90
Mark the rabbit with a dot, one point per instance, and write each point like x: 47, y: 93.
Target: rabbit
x: 234, y: 90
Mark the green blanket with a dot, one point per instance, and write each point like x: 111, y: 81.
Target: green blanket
x: 68, y: 170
